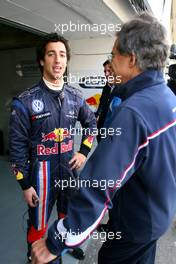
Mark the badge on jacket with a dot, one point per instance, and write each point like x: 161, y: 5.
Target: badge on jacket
x: 37, y: 106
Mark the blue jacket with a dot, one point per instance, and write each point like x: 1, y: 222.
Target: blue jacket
x: 40, y: 131
x: 138, y: 167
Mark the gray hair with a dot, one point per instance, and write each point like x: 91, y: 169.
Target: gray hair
x: 146, y: 38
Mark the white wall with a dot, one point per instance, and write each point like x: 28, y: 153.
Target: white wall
x: 88, y: 55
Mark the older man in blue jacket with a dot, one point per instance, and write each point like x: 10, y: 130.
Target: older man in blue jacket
x: 139, y: 166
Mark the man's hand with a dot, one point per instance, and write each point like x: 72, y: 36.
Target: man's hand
x: 40, y: 253
x: 31, y: 197
x: 77, y: 161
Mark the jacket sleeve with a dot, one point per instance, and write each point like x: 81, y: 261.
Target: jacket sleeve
x: 19, y: 142
x: 88, y: 123
x: 102, y: 99
x: 111, y: 165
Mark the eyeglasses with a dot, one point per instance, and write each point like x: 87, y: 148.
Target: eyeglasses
x: 111, y: 56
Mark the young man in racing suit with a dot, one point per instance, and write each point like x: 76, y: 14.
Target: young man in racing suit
x: 42, y: 141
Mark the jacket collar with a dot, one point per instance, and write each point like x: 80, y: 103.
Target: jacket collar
x: 144, y: 80
x: 47, y: 89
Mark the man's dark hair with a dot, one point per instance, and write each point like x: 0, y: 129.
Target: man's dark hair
x: 51, y: 37
x: 106, y: 63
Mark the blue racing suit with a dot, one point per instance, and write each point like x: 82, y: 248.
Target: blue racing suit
x: 41, y: 145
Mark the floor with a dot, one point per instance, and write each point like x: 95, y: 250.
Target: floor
x: 13, y: 215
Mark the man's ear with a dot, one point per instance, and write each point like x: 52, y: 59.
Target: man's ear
x: 41, y: 62
x: 132, y: 60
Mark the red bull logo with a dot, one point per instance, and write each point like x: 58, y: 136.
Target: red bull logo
x: 88, y: 141
x: 42, y: 150
x: 94, y: 100
x: 57, y: 135
x: 66, y: 147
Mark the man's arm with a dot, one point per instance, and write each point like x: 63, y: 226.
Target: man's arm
x: 19, y: 143
x: 112, y: 164
x: 19, y: 136
x: 88, y: 123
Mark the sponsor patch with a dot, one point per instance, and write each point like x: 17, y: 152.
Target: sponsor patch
x: 57, y: 135
x: 36, y: 117
x: 37, y: 106
x: 42, y: 150
x: 66, y: 147
x: 72, y: 116
x: 88, y: 141
x: 14, y: 112
x: 19, y: 176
